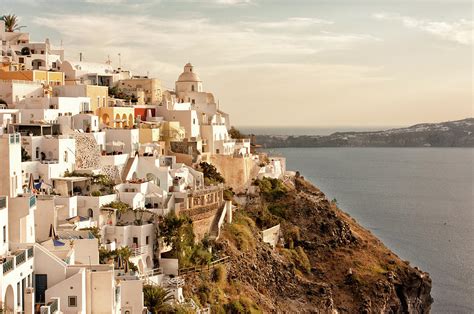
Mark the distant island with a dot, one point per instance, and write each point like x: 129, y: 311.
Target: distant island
x: 445, y: 134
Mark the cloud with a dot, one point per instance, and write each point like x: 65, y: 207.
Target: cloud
x: 461, y: 31
x: 233, y: 2
x: 105, y: 1
x: 149, y: 38
x: 291, y: 23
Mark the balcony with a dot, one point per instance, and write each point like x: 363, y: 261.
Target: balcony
x: 16, y: 259
x: 7, y: 266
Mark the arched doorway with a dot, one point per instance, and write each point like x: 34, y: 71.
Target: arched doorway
x: 141, y: 268
x: 124, y: 120
x: 149, y: 263
x: 151, y: 177
x: 36, y: 64
x: 117, y: 121
x: 9, y: 300
x: 106, y: 119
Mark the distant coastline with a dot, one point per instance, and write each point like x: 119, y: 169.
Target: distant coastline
x: 458, y: 133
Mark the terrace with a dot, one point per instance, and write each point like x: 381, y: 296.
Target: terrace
x: 15, y: 259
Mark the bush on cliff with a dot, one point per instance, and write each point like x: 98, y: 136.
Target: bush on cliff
x: 271, y: 189
x: 211, y: 175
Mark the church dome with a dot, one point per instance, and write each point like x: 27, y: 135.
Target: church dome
x: 188, y: 74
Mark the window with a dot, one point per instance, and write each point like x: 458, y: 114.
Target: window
x: 54, y: 64
x: 65, y: 156
x: 192, y: 88
x: 194, y: 121
x: 90, y: 212
x: 37, y: 152
x: 147, y: 240
x: 4, y: 234
x: 22, y: 60
x: 72, y: 301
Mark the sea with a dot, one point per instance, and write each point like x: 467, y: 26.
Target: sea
x: 418, y: 201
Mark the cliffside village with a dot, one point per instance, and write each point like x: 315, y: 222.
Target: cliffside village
x: 91, y: 159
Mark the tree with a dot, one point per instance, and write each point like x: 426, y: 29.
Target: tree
x: 156, y: 298
x: 11, y: 23
x: 177, y: 232
x: 235, y: 134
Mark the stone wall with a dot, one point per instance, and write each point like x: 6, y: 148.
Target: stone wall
x: 237, y: 171
x: 87, y: 151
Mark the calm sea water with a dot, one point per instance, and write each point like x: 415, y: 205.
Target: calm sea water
x: 418, y: 201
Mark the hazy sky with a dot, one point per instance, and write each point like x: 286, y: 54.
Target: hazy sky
x: 283, y: 63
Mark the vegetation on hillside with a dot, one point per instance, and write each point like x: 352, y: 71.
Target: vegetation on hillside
x: 178, y: 232
x: 211, y: 175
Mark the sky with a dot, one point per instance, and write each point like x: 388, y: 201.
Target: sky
x: 318, y: 63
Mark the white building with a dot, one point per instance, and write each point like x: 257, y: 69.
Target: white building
x: 22, y: 54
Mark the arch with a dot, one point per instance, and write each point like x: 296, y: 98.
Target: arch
x: 124, y: 120
x: 9, y: 299
x: 149, y: 263
x: 36, y: 64
x: 141, y: 267
x: 151, y: 177
x: 117, y: 121
x: 131, y: 120
x: 105, y: 119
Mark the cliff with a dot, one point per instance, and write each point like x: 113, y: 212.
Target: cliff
x: 446, y: 134
x: 326, y: 262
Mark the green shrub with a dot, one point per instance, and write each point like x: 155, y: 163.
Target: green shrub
x: 96, y: 193
x: 219, y: 275
x: 271, y: 189
x: 242, y: 236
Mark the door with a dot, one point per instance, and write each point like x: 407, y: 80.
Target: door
x: 41, y: 284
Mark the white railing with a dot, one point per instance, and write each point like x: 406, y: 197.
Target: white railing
x: 139, y: 250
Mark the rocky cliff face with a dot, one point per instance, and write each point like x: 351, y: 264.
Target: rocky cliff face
x: 326, y: 263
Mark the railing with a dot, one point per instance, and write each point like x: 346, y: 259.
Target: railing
x: 54, y: 306
x: 7, y: 266
x: 139, y: 250
x: 31, y: 252
x: 151, y: 273
x: 197, y: 269
x: 175, y: 282
x: 32, y: 201
x: 20, y: 258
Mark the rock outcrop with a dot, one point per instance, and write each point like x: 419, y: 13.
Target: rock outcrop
x: 327, y: 263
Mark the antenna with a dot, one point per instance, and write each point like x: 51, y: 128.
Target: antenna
x: 120, y: 60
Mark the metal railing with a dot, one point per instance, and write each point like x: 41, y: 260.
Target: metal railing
x: 54, y: 306
x: 20, y: 258
x: 7, y: 266
x: 32, y: 201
